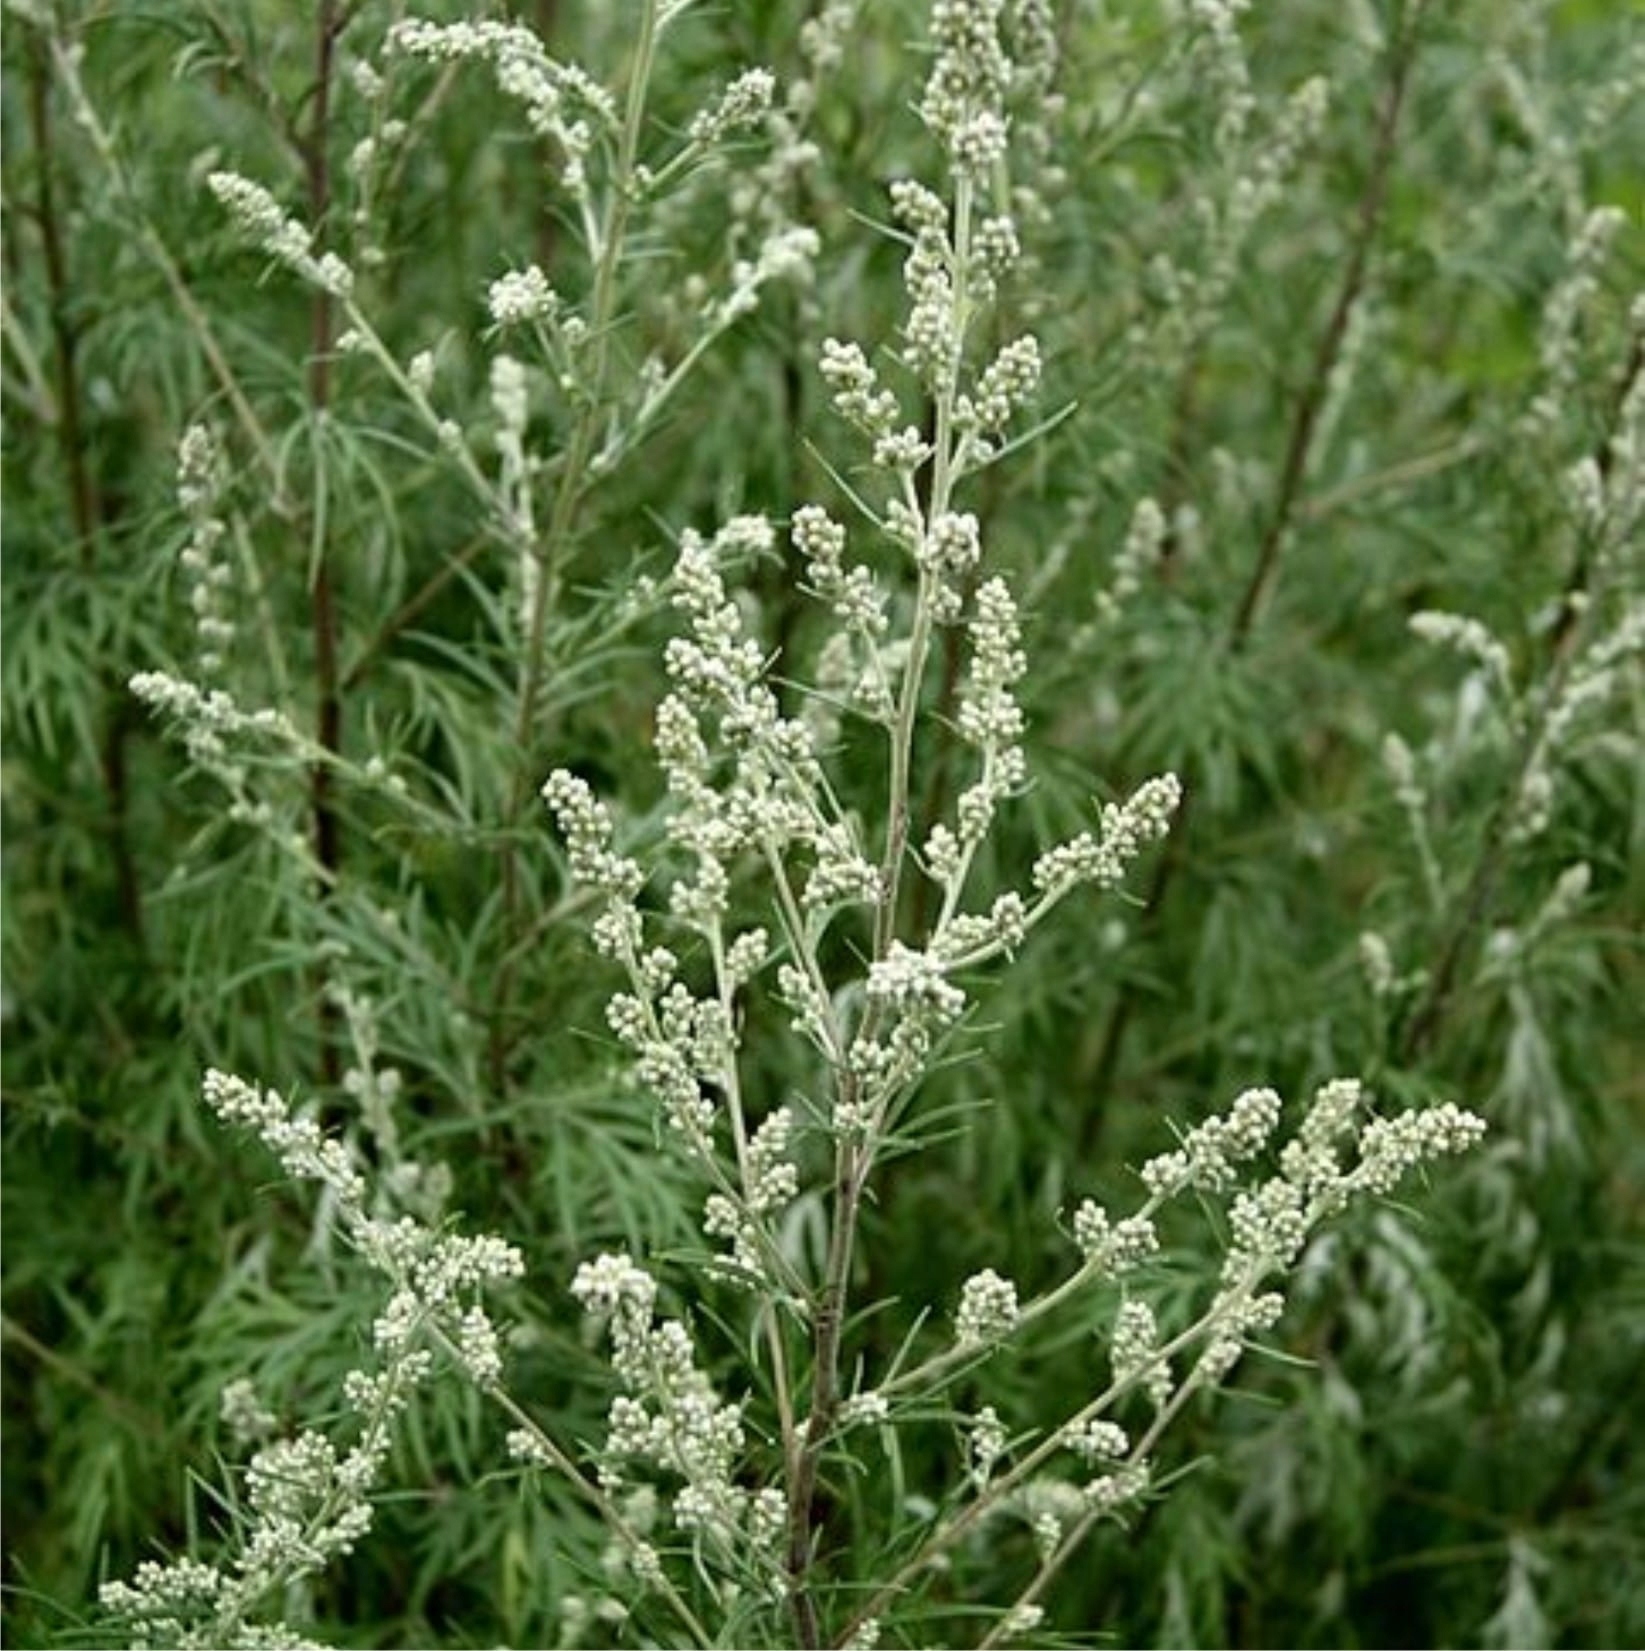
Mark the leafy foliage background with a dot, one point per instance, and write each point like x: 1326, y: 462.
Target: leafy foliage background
x: 1459, y: 1461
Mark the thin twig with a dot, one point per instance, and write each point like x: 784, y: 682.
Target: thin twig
x: 323, y: 602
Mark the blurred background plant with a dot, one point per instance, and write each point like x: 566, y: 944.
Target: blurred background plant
x: 1342, y: 524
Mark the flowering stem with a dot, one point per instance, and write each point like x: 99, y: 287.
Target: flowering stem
x: 852, y: 1162
x: 586, y: 1488
x: 568, y: 495
x: 1075, y: 1536
x: 1578, y: 611
x: 919, y: 645
x: 256, y: 1583
x: 920, y: 1378
x: 948, y: 1534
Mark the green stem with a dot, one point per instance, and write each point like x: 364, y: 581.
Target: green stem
x: 568, y: 496
x: 852, y: 1162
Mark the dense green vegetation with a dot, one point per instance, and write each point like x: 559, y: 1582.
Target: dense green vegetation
x: 1330, y: 501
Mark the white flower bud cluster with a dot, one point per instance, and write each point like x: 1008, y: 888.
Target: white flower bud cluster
x: 964, y: 99
x: 1591, y: 681
x: 1389, y: 1148
x: 741, y: 776
x: 970, y: 935
x: 210, y: 722
x: 1584, y: 487
x: 951, y: 545
x: 210, y: 578
x: 859, y: 397
x: 1022, y: 1619
x: 719, y: 673
x: 913, y: 983
x: 1376, y: 961
x: 1138, y: 557
x: 807, y: 1007
x: 869, y: 1409
x: 772, y: 1180
x: 181, y: 1604
x: 1270, y: 1223
x: 304, y: 1149
x: 774, y: 793
x: 615, y: 1286
x: 669, y: 1418
x: 902, y: 450
x: 988, y: 1309
x: 1309, y: 1158
x: 264, y: 222
x: 1243, y: 1316
x: 922, y: 211
x: 310, y: 1503
x: 934, y: 331
x: 857, y: 603
x: 1209, y: 1152
x: 1559, y: 342
x: 1133, y: 1350
x: 1332, y: 1159
x: 1268, y: 1226
x: 985, y: 1445
x: 1006, y: 384
x: 1032, y: 27
x: 289, y: 1484
x: 1399, y: 763
x: 585, y: 824
x: 1112, y: 1248
x: 375, y: 1089
x: 910, y: 990
x: 1470, y: 638
x: 1048, y: 1506
x: 746, y: 956
x: 1113, y: 1490
x: 764, y: 188
x: 558, y: 99
x: 990, y: 719
x: 788, y: 253
x: 1097, y: 1441
x: 1127, y: 828
x: 436, y: 1272
x: 1220, y: 56
x: 529, y: 1448
x: 743, y: 103
x: 243, y: 1412
x: 511, y: 402
x: 997, y: 250
x: 842, y: 875
x: 677, y: 1041
x: 520, y: 297
x: 1270, y: 165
